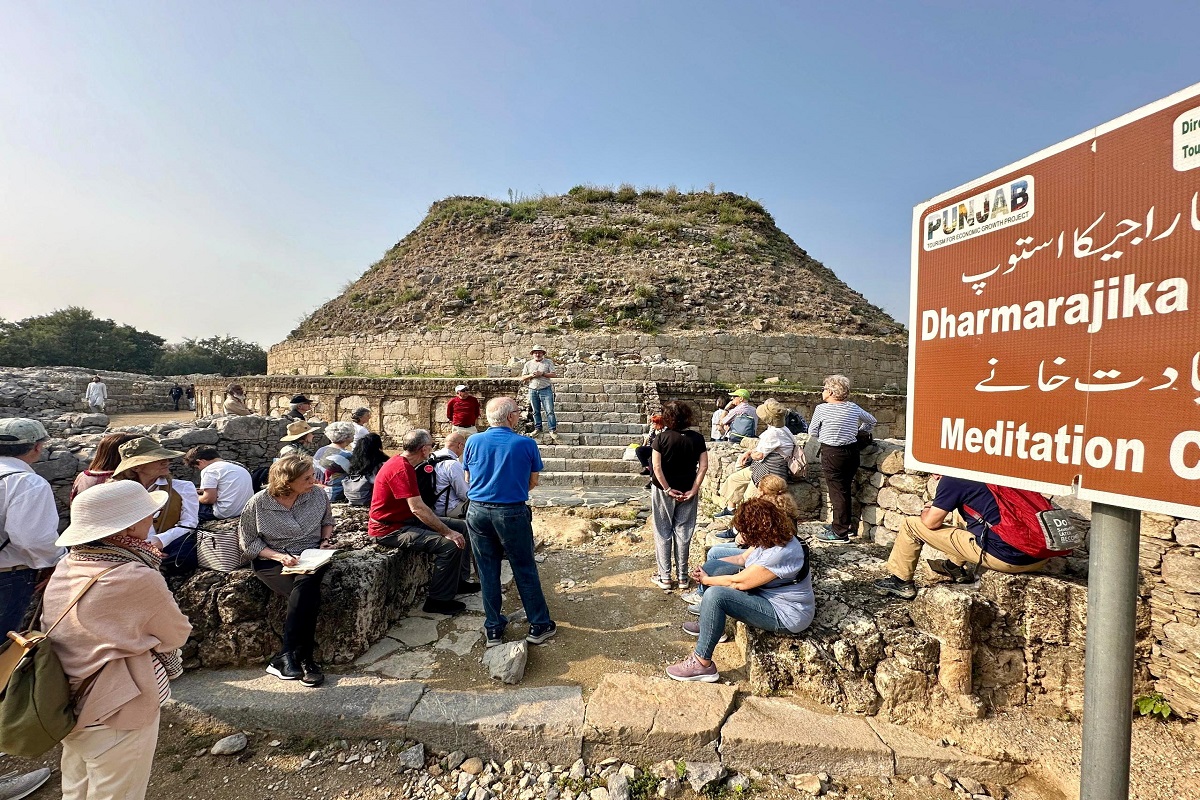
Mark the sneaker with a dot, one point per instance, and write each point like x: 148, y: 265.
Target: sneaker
x: 666, y: 584
x: 539, y: 634
x: 694, y: 629
x: 694, y: 609
x: 727, y: 535
x: 645, y: 471
x: 284, y: 667
x: 450, y: 607
x: 692, y: 598
x: 467, y: 587
x: 311, y: 672
x: 690, y: 669
x: 905, y: 590
x: 724, y: 512
x: 953, y: 571
x: 495, y: 636
x: 683, y: 584
x: 826, y: 534
x: 15, y: 787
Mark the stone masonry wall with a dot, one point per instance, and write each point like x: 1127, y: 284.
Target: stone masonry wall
x: 1013, y: 640
x: 50, y: 391
x: 724, y: 357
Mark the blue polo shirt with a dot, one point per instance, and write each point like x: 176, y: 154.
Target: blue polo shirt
x: 499, y: 462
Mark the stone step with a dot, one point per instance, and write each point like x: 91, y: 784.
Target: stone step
x: 598, y: 387
x: 625, y: 398
x: 575, y: 478
x: 626, y: 428
x: 565, y: 450
x: 594, y: 417
x: 631, y: 410
x: 589, y: 465
x: 606, y: 440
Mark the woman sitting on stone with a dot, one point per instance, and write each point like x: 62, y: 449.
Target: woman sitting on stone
x: 235, y: 401
x: 644, y: 450
x: 769, y: 457
x: 334, y: 458
x: 103, y: 463
x: 836, y: 424
x: 365, y: 462
x: 768, y: 587
x: 277, y: 525
x: 147, y: 462
x: 119, y: 644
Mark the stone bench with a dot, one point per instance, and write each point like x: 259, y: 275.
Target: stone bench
x: 237, y: 621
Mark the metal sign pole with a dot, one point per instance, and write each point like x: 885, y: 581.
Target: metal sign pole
x: 1108, y: 666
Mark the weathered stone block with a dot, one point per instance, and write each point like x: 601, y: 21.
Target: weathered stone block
x: 1181, y: 570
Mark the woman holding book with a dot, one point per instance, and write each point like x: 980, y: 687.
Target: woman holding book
x: 278, y: 524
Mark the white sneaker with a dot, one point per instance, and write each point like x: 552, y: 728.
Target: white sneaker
x: 14, y: 787
x: 692, y: 598
x: 666, y: 584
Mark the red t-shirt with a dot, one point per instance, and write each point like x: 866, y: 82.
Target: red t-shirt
x: 394, y: 484
x: 462, y: 412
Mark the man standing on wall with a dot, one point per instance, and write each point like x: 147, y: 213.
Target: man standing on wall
x: 502, y: 466
x: 28, y: 519
x: 537, y: 373
x: 96, y: 395
x: 400, y: 518
x: 463, y: 410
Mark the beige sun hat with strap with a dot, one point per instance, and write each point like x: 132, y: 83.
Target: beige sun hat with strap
x: 107, y: 509
x: 298, y: 430
x: 142, y: 450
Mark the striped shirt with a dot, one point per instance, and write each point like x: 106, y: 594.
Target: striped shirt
x: 837, y: 424
x: 265, y: 522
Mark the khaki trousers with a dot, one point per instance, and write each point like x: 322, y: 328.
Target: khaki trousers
x: 957, y: 543
x: 739, y: 488
x: 108, y: 764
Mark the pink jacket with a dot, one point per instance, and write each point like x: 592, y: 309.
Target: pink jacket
x: 110, y: 633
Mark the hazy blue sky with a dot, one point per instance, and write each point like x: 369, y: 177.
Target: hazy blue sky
x: 219, y: 167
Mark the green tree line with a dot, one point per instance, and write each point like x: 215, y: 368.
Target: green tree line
x: 76, y: 337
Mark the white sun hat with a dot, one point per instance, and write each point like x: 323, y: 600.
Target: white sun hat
x: 107, y: 509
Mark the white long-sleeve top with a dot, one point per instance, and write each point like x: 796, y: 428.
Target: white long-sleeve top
x: 97, y: 393
x: 28, y: 518
x: 449, y: 473
x: 189, y: 514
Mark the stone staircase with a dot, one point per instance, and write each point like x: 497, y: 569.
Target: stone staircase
x: 596, y: 422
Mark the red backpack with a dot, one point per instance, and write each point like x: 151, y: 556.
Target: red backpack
x: 1030, y: 523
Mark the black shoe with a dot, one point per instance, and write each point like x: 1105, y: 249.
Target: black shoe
x: 443, y: 607
x: 905, y: 590
x: 951, y: 570
x: 311, y: 672
x: 284, y: 667
x: 467, y: 587
x: 538, y: 634
x: 645, y: 471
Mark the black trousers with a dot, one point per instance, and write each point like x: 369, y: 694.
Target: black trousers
x: 303, y: 593
x: 643, y: 453
x: 839, y: 465
x: 450, y: 565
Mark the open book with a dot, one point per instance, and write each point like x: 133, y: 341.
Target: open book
x: 310, y: 561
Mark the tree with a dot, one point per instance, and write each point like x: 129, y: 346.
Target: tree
x: 226, y: 355
x: 74, y: 336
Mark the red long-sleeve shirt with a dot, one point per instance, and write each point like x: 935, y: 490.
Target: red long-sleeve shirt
x: 462, y: 411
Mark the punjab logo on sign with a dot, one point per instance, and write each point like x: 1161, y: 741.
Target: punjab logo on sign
x: 1054, y: 341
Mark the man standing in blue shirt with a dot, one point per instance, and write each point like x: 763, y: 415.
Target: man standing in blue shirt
x: 502, y: 466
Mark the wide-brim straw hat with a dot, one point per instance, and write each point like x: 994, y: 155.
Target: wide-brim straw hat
x: 298, y: 430
x: 142, y: 450
x: 107, y: 509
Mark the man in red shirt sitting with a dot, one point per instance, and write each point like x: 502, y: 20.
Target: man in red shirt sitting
x: 400, y: 518
x: 463, y: 410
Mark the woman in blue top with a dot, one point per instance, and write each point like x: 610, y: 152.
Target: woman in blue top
x: 768, y: 586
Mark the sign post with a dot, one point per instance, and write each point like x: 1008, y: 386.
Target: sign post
x: 1054, y: 345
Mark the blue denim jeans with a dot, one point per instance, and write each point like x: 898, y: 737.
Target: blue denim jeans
x: 721, y: 602
x: 497, y: 530
x: 16, y: 590
x: 716, y: 553
x: 541, y: 401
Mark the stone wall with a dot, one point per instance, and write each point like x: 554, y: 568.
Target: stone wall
x: 50, y: 391
x: 1013, y: 640
x: 702, y: 356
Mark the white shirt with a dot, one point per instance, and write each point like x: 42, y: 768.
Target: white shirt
x: 189, y: 514
x: 715, y: 428
x: 360, y: 431
x: 234, y: 487
x: 96, y: 393
x: 28, y: 517
x: 449, y: 473
x: 534, y: 368
x: 776, y: 440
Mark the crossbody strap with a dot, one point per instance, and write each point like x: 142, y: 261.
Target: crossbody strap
x: 77, y: 598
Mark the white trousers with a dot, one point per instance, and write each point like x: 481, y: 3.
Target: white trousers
x: 107, y: 764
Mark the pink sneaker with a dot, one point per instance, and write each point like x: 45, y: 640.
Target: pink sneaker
x: 694, y: 629
x: 690, y: 669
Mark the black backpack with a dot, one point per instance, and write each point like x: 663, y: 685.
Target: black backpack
x: 794, y: 422
x: 427, y: 480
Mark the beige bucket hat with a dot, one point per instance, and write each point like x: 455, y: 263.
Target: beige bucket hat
x: 107, y: 509
x: 298, y: 430
x: 142, y: 450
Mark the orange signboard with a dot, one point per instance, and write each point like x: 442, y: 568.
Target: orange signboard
x: 1054, y: 333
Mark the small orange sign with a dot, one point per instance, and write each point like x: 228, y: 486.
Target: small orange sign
x: 1054, y: 333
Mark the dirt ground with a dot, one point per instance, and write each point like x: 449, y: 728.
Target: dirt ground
x: 150, y: 418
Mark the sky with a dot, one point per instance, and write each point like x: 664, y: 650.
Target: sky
x: 196, y: 169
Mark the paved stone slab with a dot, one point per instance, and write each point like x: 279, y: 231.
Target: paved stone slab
x: 776, y: 735
x: 459, y: 642
x: 916, y: 755
x: 381, y: 649
x: 406, y: 666
x: 415, y: 631
x: 646, y: 720
x: 527, y: 724
x: 353, y: 705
